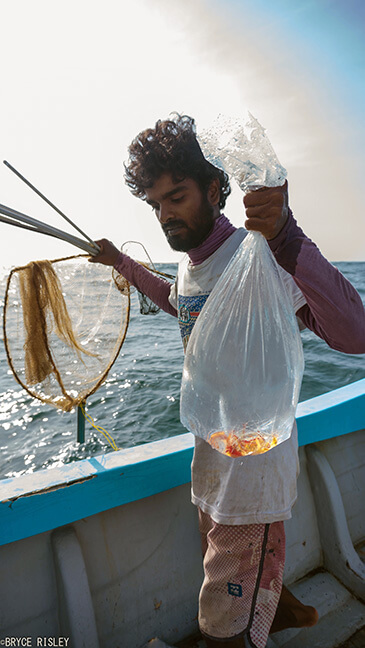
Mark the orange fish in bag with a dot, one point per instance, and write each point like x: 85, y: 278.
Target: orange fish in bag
x: 244, y: 361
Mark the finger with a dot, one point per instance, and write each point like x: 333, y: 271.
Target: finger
x: 101, y: 243
x: 257, y: 212
x: 268, y: 196
x: 95, y: 258
x: 265, y: 212
x: 257, y: 225
x: 264, y: 194
x: 268, y: 230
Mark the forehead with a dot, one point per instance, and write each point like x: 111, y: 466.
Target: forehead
x: 165, y: 186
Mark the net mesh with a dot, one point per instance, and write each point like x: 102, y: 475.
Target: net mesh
x: 135, y: 249
x: 64, y: 324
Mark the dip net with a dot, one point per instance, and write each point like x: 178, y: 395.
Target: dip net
x: 64, y: 325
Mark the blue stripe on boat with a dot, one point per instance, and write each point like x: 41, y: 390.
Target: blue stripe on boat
x: 47, y: 499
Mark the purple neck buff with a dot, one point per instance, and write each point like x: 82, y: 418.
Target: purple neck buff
x: 222, y: 230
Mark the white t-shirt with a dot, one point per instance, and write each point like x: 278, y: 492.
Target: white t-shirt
x: 243, y: 490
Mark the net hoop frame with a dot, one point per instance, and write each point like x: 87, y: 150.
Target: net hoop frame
x: 59, y: 380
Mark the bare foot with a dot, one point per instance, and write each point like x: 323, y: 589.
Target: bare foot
x: 291, y: 613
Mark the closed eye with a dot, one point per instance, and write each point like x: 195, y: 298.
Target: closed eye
x: 177, y: 200
x: 154, y: 208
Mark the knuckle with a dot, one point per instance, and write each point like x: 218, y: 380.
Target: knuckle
x: 278, y: 198
x: 273, y: 212
x: 249, y: 212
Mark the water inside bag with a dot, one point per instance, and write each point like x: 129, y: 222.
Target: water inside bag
x: 244, y: 360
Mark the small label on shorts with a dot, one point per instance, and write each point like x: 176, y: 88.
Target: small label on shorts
x: 234, y: 589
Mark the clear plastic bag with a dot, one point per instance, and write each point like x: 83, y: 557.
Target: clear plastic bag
x: 242, y: 149
x: 244, y: 360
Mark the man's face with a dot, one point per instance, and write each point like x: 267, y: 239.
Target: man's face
x: 185, y: 214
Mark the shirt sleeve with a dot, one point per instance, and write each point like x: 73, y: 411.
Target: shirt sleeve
x: 154, y: 287
x: 333, y: 309
x: 295, y: 294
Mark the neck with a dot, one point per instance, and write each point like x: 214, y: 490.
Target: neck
x: 222, y: 230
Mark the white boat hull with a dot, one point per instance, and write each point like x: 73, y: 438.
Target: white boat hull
x: 106, y: 552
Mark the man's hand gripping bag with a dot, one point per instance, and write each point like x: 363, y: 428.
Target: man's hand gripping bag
x: 244, y: 360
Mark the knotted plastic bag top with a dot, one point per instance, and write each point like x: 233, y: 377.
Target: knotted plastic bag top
x: 242, y: 149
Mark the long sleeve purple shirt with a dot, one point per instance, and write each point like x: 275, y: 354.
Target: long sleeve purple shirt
x: 334, y: 310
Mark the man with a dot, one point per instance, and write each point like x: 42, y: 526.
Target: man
x: 242, y: 502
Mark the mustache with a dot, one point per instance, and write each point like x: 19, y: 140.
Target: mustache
x: 172, y: 225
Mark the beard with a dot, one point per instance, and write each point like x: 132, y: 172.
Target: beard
x: 188, y: 237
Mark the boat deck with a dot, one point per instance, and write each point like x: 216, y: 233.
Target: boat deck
x: 356, y: 641
x: 340, y: 625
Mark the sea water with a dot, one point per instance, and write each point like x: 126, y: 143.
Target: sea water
x: 139, y: 400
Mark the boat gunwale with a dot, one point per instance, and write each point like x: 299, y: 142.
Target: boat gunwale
x: 47, y: 499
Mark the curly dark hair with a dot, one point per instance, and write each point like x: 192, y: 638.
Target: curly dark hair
x: 171, y: 147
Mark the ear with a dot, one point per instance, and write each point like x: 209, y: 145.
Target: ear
x: 214, y: 192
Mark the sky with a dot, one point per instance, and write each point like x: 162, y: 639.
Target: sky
x: 80, y: 78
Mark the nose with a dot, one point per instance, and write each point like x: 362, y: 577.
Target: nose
x: 164, y: 214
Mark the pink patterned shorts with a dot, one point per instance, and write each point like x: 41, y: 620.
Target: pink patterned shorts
x: 243, y: 567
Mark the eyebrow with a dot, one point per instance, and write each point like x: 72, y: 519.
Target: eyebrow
x: 168, y: 194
